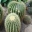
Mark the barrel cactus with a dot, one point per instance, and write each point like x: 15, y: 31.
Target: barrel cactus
x: 12, y: 23
x: 1, y: 14
x: 17, y: 7
x: 27, y: 19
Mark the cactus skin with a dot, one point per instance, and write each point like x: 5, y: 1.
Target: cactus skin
x: 12, y: 23
x: 17, y: 7
x: 1, y: 14
x: 27, y: 19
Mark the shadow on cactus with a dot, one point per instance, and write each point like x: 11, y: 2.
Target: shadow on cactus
x: 17, y: 7
x: 1, y: 14
x: 12, y: 23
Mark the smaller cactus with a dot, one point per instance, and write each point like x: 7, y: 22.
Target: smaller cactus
x: 27, y: 19
x: 12, y: 23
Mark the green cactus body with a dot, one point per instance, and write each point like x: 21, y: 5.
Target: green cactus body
x: 27, y: 19
x: 17, y: 7
x: 12, y: 23
x: 1, y: 13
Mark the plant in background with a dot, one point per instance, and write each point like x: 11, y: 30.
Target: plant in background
x: 29, y: 10
x: 12, y: 23
x: 27, y: 19
x: 0, y: 1
x: 17, y: 7
x: 25, y: 1
x: 3, y: 2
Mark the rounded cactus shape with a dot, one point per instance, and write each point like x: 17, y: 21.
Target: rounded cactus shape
x: 12, y: 23
x: 17, y: 7
x: 27, y: 19
x: 1, y: 14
